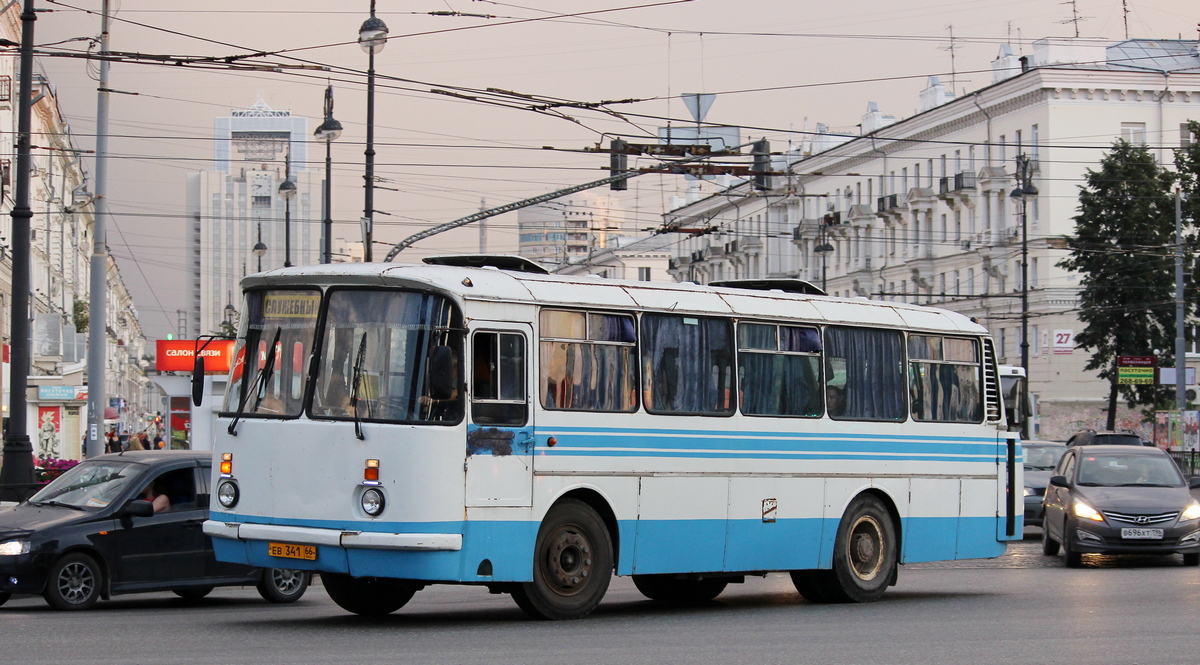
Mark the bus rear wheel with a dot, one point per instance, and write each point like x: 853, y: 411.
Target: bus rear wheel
x: 368, y: 596
x: 864, y: 557
x: 572, y: 564
x: 678, y: 590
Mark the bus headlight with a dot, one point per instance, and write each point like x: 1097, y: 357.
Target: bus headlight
x: 372, y: 502
x: 228, y: 494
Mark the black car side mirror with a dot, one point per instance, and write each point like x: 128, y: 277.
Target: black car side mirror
x: 1058, y: 481
x: 1194, y: 482
x: 139, y: 508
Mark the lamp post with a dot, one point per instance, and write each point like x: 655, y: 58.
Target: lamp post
x: 287, y: 192
x: 372, y: 37
x: 328, y: 132
x: 259, y: 249
x: 1024, y: 192
x: 18, y: 459
x: 823, y: 249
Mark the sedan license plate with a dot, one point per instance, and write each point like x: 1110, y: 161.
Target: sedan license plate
x: 309, y: 552
x: 1141, y: 534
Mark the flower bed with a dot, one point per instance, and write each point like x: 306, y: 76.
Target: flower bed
x: 47, y: 469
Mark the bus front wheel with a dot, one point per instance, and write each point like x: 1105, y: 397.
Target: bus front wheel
x: 368, y: 596
x: 864, y: 557
x: 572, y: 564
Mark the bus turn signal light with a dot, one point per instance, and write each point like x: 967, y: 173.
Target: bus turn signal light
x: 227, y: 463
x: 372, y: 470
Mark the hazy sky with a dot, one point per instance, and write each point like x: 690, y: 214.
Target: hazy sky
x: 776, y: 64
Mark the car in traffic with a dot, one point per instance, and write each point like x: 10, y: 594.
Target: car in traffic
x: 1092, y: 437
x: 1120, y: 499
x: 1040, y: 459
x: 124, y: 523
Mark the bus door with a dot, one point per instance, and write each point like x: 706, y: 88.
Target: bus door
x: 500, y: 428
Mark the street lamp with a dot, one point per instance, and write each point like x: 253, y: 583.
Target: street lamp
x: 1024, y: 192
x: 328, y: 132
x: 230, y: 311
x: 372, y: 37
x: 287, y: 192
x: 259, y: 249
x: 823, y: 249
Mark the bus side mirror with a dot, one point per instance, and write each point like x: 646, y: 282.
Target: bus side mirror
x: 442, y: 374
x: 1058, y: 481
x: 198, y: 380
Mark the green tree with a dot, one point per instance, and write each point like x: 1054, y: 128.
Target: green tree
x: 1124, y: 233
x: 79, y: 315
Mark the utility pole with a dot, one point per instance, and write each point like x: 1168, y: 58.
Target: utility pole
x: 18, y: 449
x: 98, y: 287
x: 1180, y: 333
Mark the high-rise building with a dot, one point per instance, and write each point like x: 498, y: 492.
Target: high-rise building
x: 567, y: 229
x: 237, y: 204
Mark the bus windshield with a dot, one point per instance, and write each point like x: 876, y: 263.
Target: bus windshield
x: 278, y: 330
x: 391, y: 356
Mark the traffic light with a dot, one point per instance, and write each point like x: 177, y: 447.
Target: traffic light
x: 618, y: 163
x: 761, y: 167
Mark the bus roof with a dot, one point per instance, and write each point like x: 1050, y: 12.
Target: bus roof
x: 495, y: 285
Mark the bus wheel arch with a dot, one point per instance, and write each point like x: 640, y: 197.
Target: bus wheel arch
x: 572, y: 562
x: 866, y: 554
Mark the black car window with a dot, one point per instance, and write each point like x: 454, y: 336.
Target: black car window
x: 179, y: 485
x: 1117, y: 439
x: 1120, y: 470
x: 1068, y: 466
x: 1043, y: 457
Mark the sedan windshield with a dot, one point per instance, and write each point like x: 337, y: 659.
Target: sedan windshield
x: 1118, y: 470
x: 1043, y: 457
x: 91, y: 485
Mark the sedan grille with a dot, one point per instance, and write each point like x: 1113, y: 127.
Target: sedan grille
x: 1157, y: 518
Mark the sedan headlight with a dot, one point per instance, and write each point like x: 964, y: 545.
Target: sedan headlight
x: 14, y: 547
x: 1087, y: 512
x: 1190, y: 513
x: 227, y: 494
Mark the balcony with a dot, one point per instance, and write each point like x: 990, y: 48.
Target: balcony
x: 890, y: 208
x: 958, y: 190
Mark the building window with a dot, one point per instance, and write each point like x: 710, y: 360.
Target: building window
x: 1033, y: 273
x: 957, y: 284
x: 929, y: 172
x: 1003, y: 149
x: 945, y: 229
x: 904, y: 180
x: 1185, y: 134
x: 970, y: 281
x: 1033, y: 141
x: 1133, y: 132
x: 958, y: 161
x: 643, y: 274
x: 957, y: 225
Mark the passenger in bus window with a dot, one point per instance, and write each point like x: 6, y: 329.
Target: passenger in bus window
x: 836, y: 399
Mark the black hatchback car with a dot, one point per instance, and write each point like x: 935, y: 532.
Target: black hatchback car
x: 90, y: 534
x: 1120, y: 500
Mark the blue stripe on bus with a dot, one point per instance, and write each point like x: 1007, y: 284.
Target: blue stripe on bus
x: 684, y: 433
x: 647, y: 547
x: 726, y: 454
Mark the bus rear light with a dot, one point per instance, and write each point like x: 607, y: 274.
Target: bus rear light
x: 372, y: 471
x: 227, y: 464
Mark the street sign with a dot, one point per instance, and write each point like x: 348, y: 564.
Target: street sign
x: 1135, y: 375
x: 1135, y: 361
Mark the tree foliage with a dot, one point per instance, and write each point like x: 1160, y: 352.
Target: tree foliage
x: 1122, y: 248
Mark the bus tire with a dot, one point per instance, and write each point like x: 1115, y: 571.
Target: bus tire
x: 368, y: 596
x: 572, y: 564
x: 75, y: 582
x: 671, y: 589
x: 864, y: 556
x: 815, y: 586
x: 283, y: 585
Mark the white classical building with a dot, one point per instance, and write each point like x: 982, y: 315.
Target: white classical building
x: 238, y: 204
x: 919, y: 209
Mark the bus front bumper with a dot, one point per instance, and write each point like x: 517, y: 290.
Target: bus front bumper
x: 302, y: 535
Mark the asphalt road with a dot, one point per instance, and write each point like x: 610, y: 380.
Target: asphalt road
x: 1022, y: 608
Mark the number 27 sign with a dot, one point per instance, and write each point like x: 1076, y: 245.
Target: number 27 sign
x: 1064, y: 342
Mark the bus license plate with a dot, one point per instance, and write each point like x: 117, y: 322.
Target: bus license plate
x: 1141, y: 534
x: 309, y: 552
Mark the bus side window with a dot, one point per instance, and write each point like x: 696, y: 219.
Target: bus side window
x: 864, y: 374
x: 498, y: 379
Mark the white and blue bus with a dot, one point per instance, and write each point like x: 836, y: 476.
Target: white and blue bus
x: 477, y: 421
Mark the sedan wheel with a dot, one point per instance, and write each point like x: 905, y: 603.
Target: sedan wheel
x: 74, y: 583
x: 283, y: 585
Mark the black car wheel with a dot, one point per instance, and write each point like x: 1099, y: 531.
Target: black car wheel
x: 675, y: 590
x: 1074, y: 559
x: 74, y: 583
x: 283, y: 585
x: 1049, y: 545
x: 1189, y: 559
x: 368, y: 596
x: 4, y: 596
x: 193, y: 592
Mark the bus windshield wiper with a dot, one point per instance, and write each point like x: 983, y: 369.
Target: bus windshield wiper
x: 259, y: 386
x: 359, y: 357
